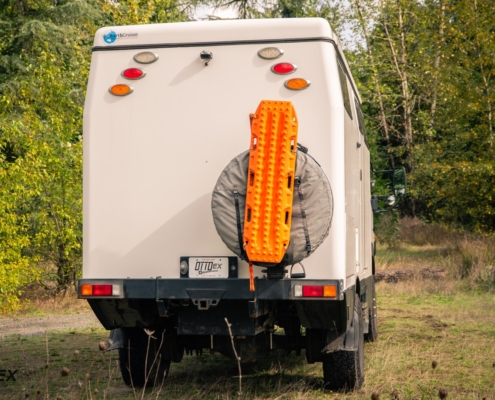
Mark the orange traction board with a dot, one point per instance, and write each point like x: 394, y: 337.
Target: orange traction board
x: 270, y: 183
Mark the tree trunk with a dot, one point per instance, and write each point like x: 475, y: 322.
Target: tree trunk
x: 376, y: 79
x: 436, y: 69
x: 400, y: 63
x: 484, y: 77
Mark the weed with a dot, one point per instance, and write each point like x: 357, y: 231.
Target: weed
x: 436, y: 339
x: 419, y: 328
x: 466, y: 257
x: 387, y: 229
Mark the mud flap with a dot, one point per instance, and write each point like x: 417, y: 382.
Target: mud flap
x: 116, y: 340
x: 349, y: 341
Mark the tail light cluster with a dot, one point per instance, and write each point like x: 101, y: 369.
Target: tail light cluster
x: 283, y: 68
x: 100, y: 290
x: 327, y: 291
x: 123, y: 89
x: 267, y: 53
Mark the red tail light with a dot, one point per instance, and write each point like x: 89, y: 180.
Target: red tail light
x: 312, y: 291
x: 102, y: 290
x: 133, y: 73
x: 284, y: 68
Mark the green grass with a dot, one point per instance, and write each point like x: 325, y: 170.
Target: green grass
x: 454, y: 329
x: 450, y: 322
x: 411, y: 256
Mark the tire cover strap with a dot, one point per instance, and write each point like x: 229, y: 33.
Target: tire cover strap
x: 303, y: 214
x: 239, y: 227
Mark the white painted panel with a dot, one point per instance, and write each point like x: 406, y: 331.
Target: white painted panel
x: 151, y: 159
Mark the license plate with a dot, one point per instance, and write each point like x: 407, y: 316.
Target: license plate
x: 208, y: 267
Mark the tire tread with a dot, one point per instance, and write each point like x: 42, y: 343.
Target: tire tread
x: 341, y: 369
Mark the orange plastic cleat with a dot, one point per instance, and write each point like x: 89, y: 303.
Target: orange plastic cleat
x: 270, y: 184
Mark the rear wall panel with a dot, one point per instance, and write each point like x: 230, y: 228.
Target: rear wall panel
x: 151, y: 159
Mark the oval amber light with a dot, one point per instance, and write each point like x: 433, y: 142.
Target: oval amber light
x: 284, y: 68
x: 297, y: 84
x: 121, y: 90
x: 133, y: 73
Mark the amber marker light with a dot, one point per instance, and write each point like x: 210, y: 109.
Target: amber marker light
x: 330, y: 291
x: 297, y: 84
x: 86, y: 290
x: 121, y: 89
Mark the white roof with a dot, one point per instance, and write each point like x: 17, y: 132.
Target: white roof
x: 215, y: 31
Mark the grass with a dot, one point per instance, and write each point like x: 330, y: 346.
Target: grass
x: 36, y: 303
x: 410, y: 256
x: 433, y: 335
x: 466, y: 257
x: 454, y: 329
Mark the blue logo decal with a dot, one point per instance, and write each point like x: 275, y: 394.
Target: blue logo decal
x: 110, y: 37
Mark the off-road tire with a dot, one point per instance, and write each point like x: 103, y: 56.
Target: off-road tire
x: 344, y: 370
x: 372, y: 334
x: 132, y: 358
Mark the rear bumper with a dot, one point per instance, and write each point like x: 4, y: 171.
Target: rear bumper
x: 199, y: 306
x: 192, y: 289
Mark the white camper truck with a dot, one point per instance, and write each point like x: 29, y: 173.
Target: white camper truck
x: 227, y: 178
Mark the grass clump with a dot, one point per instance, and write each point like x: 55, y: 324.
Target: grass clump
x: 436, y: 339
x: 467, y: 258
x: 429, y: 340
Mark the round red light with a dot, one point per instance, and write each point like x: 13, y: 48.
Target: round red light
x: 284, y: 68
x: 133, y: 73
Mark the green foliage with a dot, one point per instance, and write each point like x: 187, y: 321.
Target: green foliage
x: 16, y: 269
x: 425, y: 71
x: 44, y: 64
x: 328, y: 9
x: 387, y: 229
x: 137, y: 12
x: 45, y: 51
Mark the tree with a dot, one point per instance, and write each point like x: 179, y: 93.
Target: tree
x: 45, y: 51
x: 456, y: 174
x: 44, y: 63
x: 425, y: 70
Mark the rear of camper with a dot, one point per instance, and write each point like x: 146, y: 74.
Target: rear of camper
x: 227, y: 192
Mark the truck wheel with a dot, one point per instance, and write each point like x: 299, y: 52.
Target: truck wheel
x: 344, y: 370
x: 372, y: 334
x: 137, y: 369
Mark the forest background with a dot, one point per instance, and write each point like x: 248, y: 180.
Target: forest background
x: 425, y: 70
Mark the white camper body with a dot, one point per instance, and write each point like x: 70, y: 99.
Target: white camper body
x: 152, y: 158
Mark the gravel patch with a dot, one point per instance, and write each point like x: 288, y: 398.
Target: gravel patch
x: 32, y: 326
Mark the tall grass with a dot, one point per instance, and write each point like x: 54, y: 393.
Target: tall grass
x: 434, y: 338
x: 467, y: 257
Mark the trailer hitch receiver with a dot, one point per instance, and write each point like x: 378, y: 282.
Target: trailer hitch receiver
x: 205, y: 298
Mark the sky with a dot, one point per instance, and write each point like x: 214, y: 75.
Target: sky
x: 203, y: 12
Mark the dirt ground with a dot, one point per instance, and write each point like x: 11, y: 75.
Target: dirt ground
x: 31, y: 326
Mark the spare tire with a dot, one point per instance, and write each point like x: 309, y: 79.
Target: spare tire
x: 312, y: 207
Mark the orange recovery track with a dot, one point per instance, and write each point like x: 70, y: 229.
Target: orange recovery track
x: 270, y: 184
